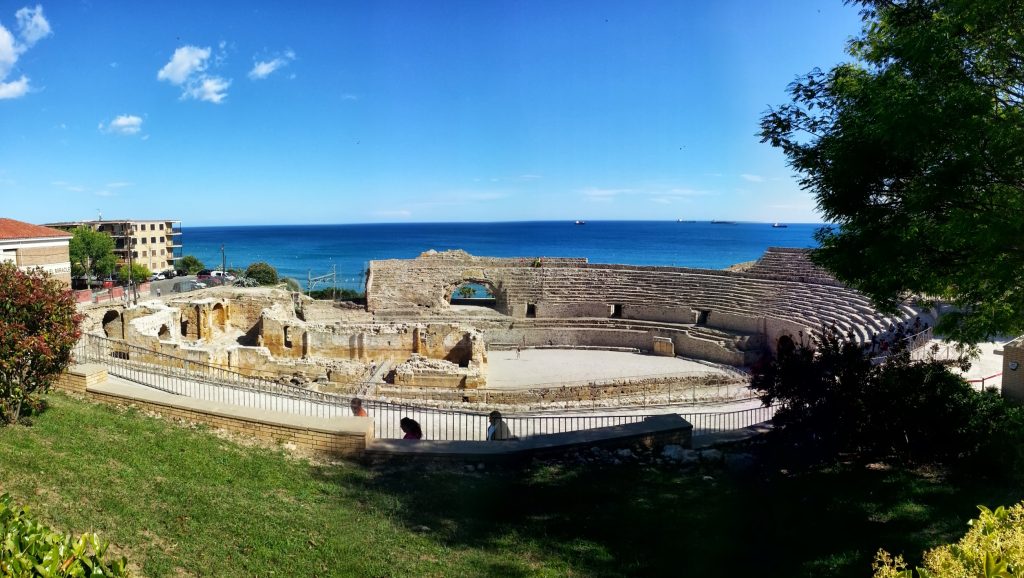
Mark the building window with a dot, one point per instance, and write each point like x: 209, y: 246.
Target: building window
x: 145, y: 253
x: 152, y: 239
x: 161, y: 226
x: 161, y: 251
x: 135, y: 254
x: 143, y: 240
x: 161, y: 239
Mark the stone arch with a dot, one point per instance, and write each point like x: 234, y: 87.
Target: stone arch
x: 164, y: 334
x: 112, y: 324
x: 491, y: 300
x: 220, y: 316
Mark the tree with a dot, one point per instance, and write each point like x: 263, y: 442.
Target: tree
x: 190, y: 264
x: 914, y: 151
x: 38, y: 328
x: 139, y: 273
x: 91, y: 252
x: 466, y: 291
x: 263, y: 273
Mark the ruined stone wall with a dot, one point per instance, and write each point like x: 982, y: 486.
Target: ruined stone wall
x: 667, y: 314
x: 574, y: 288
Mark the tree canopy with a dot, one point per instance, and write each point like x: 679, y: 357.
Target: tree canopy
x: 139, y: 273
x: 190, y: 264
x: 91, y: 252
x: 915, y: 151
x: 263, y: 273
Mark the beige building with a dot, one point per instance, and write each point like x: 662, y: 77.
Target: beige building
x: 155, y: 243
x: 34, y: 247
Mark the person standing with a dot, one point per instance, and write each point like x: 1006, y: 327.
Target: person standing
x: 498, y: 429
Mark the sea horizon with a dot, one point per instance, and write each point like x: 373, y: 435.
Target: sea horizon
x: 306, y: 251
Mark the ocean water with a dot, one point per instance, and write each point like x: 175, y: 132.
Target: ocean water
x: 300, y: 250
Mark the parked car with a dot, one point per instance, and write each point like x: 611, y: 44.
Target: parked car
x: 170, y: 274
x: 204, y: 275
x: 157, y: 277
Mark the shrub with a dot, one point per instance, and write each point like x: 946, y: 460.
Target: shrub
x: 341, y: 294
x: 38, y: 328
x: 246, y: 282
x: 190, y: 264
x: 263, y: 273
x: 139, y: 273
x: 30, y: 549
x: 834, y: 400
x: 992, y: 548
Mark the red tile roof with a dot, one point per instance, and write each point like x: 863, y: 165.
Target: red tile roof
x: 11, y: 229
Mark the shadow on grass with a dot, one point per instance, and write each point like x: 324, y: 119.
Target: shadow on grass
x: 631, y: 520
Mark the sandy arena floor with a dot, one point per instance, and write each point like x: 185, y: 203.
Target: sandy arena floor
x: 560, y: 366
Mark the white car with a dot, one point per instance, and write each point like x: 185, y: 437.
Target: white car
x: 157, y: 277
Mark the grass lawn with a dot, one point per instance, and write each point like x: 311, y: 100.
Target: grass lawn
x: 179, y: 501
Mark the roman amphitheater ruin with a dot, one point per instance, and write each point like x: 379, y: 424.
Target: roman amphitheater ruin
x: 674, y: 329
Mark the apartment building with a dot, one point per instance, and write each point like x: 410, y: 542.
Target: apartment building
x: 153, y: 243
x: 34, y: 247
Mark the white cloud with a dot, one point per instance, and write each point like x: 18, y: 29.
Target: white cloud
x: 187, y: 61
x: 753, y: 178
x: 8, y: 52
x: 349, y: 96
x: 264, y: 68
x: 187, y: 69
x: 14, y: 89
x: 119, y: 185
x: 32, y: 25
x: 125, y: 124
x: 209, y: 88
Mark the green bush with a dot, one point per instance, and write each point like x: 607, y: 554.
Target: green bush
x: 139, y: 273
x: 29, y: 549
x: 340, y: 294
x: 992, y: 548
x: 835, y: 401
x: 263, y: 273
x: 190, y: 264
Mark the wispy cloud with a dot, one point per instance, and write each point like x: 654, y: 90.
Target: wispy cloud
x: 401, y: 213
x: 32, y: 27
x: 264, y: 68
x: 349, y: 96
x: 753, y: 178
x: 126, y: 124
x: 187, y: 69
x: 119, y: 185
x: 662, y: 195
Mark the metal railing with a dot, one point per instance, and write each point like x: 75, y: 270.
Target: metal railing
x: 210, y: 383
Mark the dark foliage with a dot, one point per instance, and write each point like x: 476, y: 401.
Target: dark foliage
x: 836, y: 401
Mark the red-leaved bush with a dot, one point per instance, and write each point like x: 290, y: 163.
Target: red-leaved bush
x: 38, y: 328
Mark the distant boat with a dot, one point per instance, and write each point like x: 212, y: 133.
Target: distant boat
x: 723, y: 222
x: 779, y: 226
x: 581, y: 222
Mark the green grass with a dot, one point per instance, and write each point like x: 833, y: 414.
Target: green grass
x: 180, y: 501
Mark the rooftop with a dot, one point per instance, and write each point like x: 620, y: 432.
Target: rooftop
x: 11, y: 229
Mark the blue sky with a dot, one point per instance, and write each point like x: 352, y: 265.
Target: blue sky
x: 221, y: 113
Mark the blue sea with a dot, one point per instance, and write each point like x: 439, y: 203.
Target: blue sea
x: 298, y: 251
